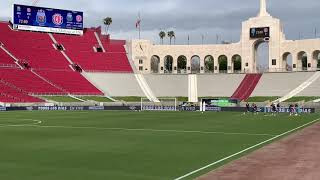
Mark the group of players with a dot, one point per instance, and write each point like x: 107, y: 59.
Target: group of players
x: 275, y: 109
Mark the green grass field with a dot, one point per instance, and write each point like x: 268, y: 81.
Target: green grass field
x: 96, y: 98
x: 61, y: 98
x: 128, y: 145
x: 262, y: 98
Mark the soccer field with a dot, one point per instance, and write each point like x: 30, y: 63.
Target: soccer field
x: 130, y: 145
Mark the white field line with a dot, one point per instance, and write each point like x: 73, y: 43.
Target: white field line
x: 34, y: 122
x: 128, y: 129
x: 247, y: 149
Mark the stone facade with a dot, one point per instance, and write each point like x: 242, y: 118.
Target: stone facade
x: 142, y: 51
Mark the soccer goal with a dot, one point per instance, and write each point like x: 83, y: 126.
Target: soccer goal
x: 164, y: 104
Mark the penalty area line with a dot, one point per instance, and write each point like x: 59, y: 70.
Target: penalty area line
x: 245, y: 150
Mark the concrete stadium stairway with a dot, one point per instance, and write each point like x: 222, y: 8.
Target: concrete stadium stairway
x: 246, y: 87
x: 146, y: 88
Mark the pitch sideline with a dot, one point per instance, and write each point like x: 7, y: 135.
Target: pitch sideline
x: 245, y: 150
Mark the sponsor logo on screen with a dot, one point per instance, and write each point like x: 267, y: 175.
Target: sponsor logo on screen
x: 57, y: 19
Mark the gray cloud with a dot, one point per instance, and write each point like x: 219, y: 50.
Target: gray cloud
x: 187, y: 17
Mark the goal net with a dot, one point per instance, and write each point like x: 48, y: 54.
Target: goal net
x: 164, y: 104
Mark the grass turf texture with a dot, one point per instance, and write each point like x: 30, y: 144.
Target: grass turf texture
x: 128, y: 98
x: 59, y: 148
x: 61, y: 98
x: 96, y: 98
x: 262, y: 99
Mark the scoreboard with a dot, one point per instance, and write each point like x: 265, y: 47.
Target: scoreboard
x: 47, y: 19
x: 260, y: 32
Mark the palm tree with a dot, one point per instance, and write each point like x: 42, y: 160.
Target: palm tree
x: 162, y: 35
x: 171, y: 35
x: 107, y: 22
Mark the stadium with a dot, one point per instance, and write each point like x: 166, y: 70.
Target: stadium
x: 77, y: 104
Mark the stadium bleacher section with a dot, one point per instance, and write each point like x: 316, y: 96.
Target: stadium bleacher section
x: 312, y: 90
x: 27, y: 81
x: 280, y: 84
x: 13, y: 95
x: 115, y: 84
x: 51, y: 72
x: 168, y: 85
x: 75, y: 83
x: 82, y: 51
x: 220, y: 85
x: 5, y: 58
x: 34, y: 48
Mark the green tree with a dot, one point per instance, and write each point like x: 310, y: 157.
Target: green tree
x: 107, y: 22
x: 162, y: 35
x: 171, y: 34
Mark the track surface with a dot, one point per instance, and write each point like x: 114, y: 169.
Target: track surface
x: 293, y: 158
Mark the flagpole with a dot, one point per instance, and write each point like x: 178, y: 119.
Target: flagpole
x: 139, y: 26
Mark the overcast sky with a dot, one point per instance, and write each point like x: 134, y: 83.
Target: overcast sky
x: 186, y: 17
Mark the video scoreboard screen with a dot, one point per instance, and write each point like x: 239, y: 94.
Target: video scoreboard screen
x: 47, y: 19
x: 260, y: 32
x: 221, y: 102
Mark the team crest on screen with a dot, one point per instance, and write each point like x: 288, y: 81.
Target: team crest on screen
x: 69, y: 17
x: 79, y: 18
x: 57, y: 19
x: 41, y: 17
x: 28, y: 10
x: 18, y: 8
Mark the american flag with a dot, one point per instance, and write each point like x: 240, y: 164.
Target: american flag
x: 138, y: 23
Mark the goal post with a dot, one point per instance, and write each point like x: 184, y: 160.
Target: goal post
x: 164, y: 104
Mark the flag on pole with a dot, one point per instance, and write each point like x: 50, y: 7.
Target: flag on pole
x: 138, y: 23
